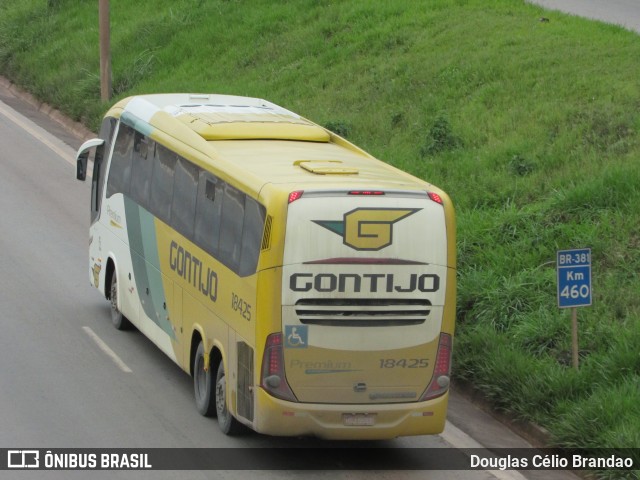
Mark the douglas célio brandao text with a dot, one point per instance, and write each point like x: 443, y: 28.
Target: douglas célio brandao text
x: 549, y: 462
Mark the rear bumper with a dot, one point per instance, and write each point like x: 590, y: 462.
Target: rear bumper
x: 282, y: 418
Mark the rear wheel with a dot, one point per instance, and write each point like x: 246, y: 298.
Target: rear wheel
x: 203, y: 385
x: 117, y: 318
x: 228, y: 424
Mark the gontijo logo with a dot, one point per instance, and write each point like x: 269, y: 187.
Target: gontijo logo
x: 367, y: 228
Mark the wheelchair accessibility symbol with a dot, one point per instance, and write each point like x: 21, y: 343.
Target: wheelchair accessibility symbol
x: 296, y: 336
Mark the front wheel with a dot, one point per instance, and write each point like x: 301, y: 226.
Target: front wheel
x: 228, y: 424
x: 117, y: 318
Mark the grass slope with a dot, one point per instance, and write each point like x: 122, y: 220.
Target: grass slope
x: 532, y: 127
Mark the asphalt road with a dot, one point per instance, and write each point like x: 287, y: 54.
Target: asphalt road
x: 70, y: 380
x: 625, y: 13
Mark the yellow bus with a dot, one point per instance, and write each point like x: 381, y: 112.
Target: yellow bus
x: 307, y: 287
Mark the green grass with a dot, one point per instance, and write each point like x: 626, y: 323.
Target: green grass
x: 531, y: 127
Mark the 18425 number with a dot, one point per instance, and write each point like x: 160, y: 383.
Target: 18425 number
x: 404, y: 362
x: 240, y: 306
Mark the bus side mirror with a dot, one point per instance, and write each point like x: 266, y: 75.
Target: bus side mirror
x: 82, y: 157
x: 81, y: 166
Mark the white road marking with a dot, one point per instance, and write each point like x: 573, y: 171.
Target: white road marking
x: 105, y: 348
x: 461, y: 440
x: 58, y: 147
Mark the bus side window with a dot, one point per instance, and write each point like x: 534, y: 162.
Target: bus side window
x: 120, y: 169
x: 231, y: 228
x: 102, y: 153
x: 162, y: 182
x: 208, y: 213
x: 254, y: 215
x: 143, y: 150
x: 185, y: 190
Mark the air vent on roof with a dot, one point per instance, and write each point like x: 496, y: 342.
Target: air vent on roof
x: 326, y: 167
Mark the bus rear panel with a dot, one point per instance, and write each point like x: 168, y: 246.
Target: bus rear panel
x: 364, y: 282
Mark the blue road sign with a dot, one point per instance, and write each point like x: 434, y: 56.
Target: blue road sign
x: 574, y: 278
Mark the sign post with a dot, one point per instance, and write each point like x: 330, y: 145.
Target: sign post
x: 105, y: 50
x: 574, y: 288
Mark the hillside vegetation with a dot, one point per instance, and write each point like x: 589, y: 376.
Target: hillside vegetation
x: 530, y: 126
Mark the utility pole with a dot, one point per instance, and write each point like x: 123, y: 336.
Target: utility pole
x: 105, y: 51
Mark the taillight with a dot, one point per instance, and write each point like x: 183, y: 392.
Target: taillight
x: 435, y: 197
x: 442, y: 370
x: 293, y: 196
x: 272, y: 378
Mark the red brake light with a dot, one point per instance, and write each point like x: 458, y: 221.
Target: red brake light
x: 293, y: 196
x: 435, y: 197
x: 442, y: 370
x: 366, y: 192
x: 273, y: 379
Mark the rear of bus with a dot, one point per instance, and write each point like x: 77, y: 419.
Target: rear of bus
x: 368, y: 306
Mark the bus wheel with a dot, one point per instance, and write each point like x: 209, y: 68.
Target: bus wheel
x: 117, y: 318
x: 203, y: 385
x: 228, y: 424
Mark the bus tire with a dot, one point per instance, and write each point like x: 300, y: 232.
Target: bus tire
x: 203, y: 385
x: 117, y: 318
x: 228, y: 424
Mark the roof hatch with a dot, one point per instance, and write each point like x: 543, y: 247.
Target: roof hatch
x: 247, y: 122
